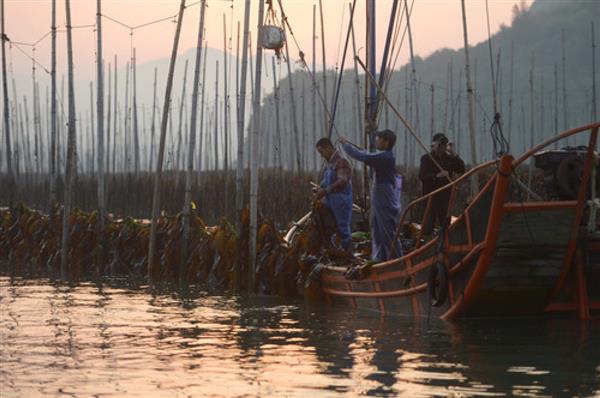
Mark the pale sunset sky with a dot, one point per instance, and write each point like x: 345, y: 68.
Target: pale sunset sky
x: 435, y: 23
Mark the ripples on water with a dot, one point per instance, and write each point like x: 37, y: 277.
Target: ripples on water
x: 88, y: 340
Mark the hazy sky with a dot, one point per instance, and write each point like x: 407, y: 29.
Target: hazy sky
x: 436, y: 24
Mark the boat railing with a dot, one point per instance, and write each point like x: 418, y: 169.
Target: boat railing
x: 458, y: 200
x: 569, y: 133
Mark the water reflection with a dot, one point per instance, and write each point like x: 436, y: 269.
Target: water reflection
x: 91, y: 340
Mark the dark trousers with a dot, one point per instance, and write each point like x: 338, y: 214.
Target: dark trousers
x: 438, y: 212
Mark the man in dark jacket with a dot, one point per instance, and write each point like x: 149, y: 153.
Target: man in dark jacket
x: 433, y: 178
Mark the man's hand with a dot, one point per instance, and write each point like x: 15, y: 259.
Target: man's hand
x: 443, y: 174
x: 343, y: 140
x: 320, y: 193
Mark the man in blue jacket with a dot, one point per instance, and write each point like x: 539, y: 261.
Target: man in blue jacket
x: 336, y: 189
x: 385, y: 195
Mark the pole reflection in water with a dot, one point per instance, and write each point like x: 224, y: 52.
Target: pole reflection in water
x: 110, y: 340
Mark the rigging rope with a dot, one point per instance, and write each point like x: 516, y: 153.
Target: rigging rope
x: 339, y: 82
x: 304, y: 64
x: 499, y: 142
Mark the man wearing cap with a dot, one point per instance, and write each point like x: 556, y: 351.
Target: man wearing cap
x: 385, y: 195
x: 433, y: 178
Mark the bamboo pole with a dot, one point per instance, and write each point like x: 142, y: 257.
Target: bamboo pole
x: 202, y: 135
x: 542, y: 108
x: 163, y: 133
x: 19, y: 146
x: 108, y: 123
x: 126, y: 135
x: 452, y: 126
x: 359, y: 119
x: 71, y: 148
x: 28, y: 131
x: 153, y: 121
x: 251, y: 66
x: 216, y: 142
x: 116, y: 121
x: 304, y: 149
x: 24, y: 136
x: 241, y: 115
x: 277, y: 117
x: 53, y: 121
x: 458, y: 111
x: 325, y: 112
x: 136, y: 136
x: 531, y: 123
x: 314, y: 88
x: 432, y: 110
x: 407, y: 153
x: 179, y: 131
x: 100, y: 133
x: 293, y: 105
x: 36, y: 120
x: 61, y: 153
x: 564, y: 80
x: 237, y: 72
x: 556, y: 103
x: 254, y: 154
x: 48, y: 132
x: 594, y: 98
x: 225, y: 107
x: 413, y: 81
x: 192, y: 144
x: 471, y: 102
x: 144, y: 154
x: 510, y: 94
x: 91, y: 142
x: 447, y: 100
x: 11, y: 186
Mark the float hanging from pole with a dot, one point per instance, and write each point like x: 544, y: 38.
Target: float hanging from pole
x: 272, y: 34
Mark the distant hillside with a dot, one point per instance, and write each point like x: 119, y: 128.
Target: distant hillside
x: 533, y: 40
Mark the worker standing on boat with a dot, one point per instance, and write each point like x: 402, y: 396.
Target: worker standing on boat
x: 385, y: 194
x: 433, y: 178
x: 336, y: 189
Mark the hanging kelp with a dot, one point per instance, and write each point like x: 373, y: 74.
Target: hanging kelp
x: 272, y: 34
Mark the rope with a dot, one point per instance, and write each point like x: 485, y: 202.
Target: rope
x: 304, y: 64
x: 487, y: 13
x: 339, y: 82
x: 393, y: 108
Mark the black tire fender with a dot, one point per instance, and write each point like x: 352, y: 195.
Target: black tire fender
x: 437, y: 284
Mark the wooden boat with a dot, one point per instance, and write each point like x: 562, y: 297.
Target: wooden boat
x: 502, y: 254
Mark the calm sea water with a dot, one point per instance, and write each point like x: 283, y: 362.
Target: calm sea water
x: 88, y: 340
